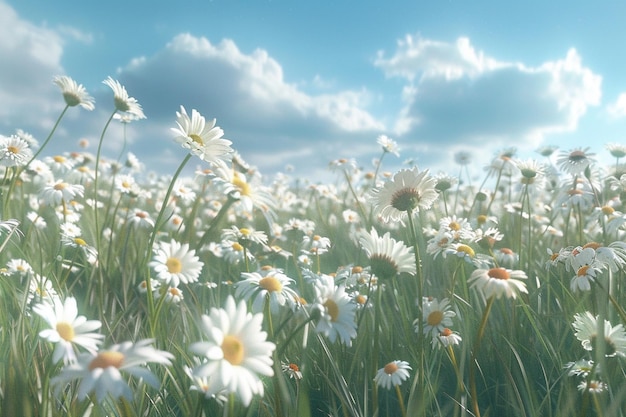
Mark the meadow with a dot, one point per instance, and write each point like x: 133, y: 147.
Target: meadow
x: 233, y: 293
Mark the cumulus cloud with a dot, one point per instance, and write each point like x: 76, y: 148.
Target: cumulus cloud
x: 268, y: 119
x: 455, y: 94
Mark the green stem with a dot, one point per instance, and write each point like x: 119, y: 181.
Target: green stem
x: 474, y: 355
x: 401, y: 401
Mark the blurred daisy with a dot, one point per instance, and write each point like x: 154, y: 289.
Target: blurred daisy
x: 389, y: 145
x: 575, y: 161
x: 592, y: 386
x: 236, y: 351
x: 174, y: 263
x: 203, y: 385
x: 392, y: 375
x: 74, y: 94
x: 41, y: 291
x: 68, y: 329
x: 60, y: 191
x: 496, y: 282
x: 580, y: 368
x: 586, y: 330
x: 388, y: 257
x: 202, y: 139
x: 173, y: 295
x: 408, y: 190
x: 337, y: 311
x: 446, y: 338
x: 122, y: 101
x: 436, y: 316
x: 14, y: 151
x: 105, y: 373
x: 616, y: 150
x: 268, y: 284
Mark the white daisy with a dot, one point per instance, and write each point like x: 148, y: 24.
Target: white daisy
x: 586, y: 330
x: 498, y: 282
x: 122, y: 101
x: 387, y: 256
x: 174, y: 263
x: 268, y: 284
x: 74, y: 94
x: 336, y: 310
x: 393, y: 374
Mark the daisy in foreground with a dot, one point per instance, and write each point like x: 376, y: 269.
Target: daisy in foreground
x: 236, y: 353
x: 392, y: 375
x: 496, y: 282
x: 104, y: 373
x: 409, y: 190
x: 337, y: 318
x: 68, y: 329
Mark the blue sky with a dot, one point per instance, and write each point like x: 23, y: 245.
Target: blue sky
x: 301, y: 83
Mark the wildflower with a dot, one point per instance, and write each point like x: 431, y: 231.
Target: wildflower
x: 173, y: 295
x: 236, y: 351
x: 143, y: 286
x: 60, y: 191
x: 586, y: 330
x: 203, y: 385
x: 268, y: 284
x: 387, y: 256
x: 41, y: 291
x: 140, y: 219
x: 292, y: 370
x: 315, y: 245
x: 408, y: 190
x: 389, y: 145
x: 245, y: 236
x: 337, y: 312
x: 506, y: 257
x: 459, y: 229
x: 446, y: 338
x: 74, y: 94
x: 593, y: 386
x: 533, y: 174
x: 103, y: 372
x: 436, y: 316
x: 233, y: 252
x: 616, y: 150
x: 174, y: 263
x: 497, y: 282
x: 126, y: 184
x: 575, y: 161
x: 79, y: 243
x: 19, y: 267
x: 584, y: 262
x: 14, y: 151
x: 68, y: 329
x: 122, y: 101
x: 463, y: 158
x: 202, y: 139
x: 392, y: 375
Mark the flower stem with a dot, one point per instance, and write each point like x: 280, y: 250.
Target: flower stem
x: 401, y: 401
x: 474, y: 355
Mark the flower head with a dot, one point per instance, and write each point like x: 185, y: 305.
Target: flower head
x: 174, y: 263
x: 336, y: 310
x: 387, y: 256
x: 67, y: 329
x: 436, y: 316
x: 408, y: 190
x: 104, y: 372
x: 497, y: 282
x: 586, y: 330
x: 269, y: 284
x: 74, y: 94
x: 236, y: 351
x: 122, y: 101
x: 203, y: 139
x: 392, y: 374
x: 575, y: 161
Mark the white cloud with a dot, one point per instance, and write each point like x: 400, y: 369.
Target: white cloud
x: 456, y: 94
x: 617, y: 109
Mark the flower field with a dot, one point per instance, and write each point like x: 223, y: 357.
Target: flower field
x: 232, y: 293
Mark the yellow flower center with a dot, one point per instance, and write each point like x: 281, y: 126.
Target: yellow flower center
x: 80, y: 242
x: 60, y: 186
x: 434, y: 318
x: 174, y: 292
x: 332, y: 309
x: 592, y: 245
x: 499, y: 273
x: 106, y: 359
x: 466, y: 249
x: 391, y: 368
x: 360, y: 299
x: 271, y: 284
x: 66, y: 331
x: 241, y: 184
x: 237, y: 247
x: 582, y: 271
x: 454, y: 226
x: 13, y: 149
x: 357, y: 269
x: 174, y: 265
x: 244, y: 231
x: 608, y: 210
x: 233, y: 350
x: 197, y: 139
x: 482, y: 219
x: 59, y: 159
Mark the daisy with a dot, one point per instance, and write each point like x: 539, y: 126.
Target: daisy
x: 203, y: 385
x: 268, y: 284
x: 580, y: 368
x: 389, y: 145
x: 68, y: 329
x: 122, y: 101
x: 174, y: 263
x: 315, y: 245
x: 19, y: 267
x: 41, y: 291
x: 593, y: 386
x: 236, y: 351
x: 408, y: 190
x: 14, y: 151
x: 74, y: 94
x: 292, y: 370
x: 446, y: 338
x: 436, y: 316
x: 392, y: 375
x: 586, y: 266
x: 575, y: 161
x: 173, y: 295
x: 104, y: 373
x: 497, y: 282
x: 337, y: 311
x: 60, y: 191
x: 140, y: 219
x: 202, y: 139
x: 616, y: 150
x: 245, y: 236
x: 586, y: 330
x: 388, y: 257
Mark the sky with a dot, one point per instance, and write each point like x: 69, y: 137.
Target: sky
x: 296, y: 84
